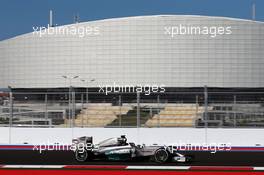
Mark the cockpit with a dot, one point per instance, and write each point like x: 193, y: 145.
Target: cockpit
x: 119, y: 141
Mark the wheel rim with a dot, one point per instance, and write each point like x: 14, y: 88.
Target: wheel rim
x: 161, y: 156
x: 81, y: 155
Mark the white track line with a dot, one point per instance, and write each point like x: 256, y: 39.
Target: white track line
x: 158, y: 167
x: 128, y: 167
x: 258, y: 168
x: 33, y: 166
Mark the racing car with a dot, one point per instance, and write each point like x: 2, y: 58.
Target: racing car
x: 117, y: 149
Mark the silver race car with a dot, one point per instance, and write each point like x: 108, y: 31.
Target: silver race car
x: 117, y: 149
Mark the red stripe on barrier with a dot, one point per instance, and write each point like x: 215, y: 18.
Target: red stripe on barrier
x: 222, y: 168
x: 114, y: 172
x: 95, y: 167
x: 16, y: 147
x: 247, y: 149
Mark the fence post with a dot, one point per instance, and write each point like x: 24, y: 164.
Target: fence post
x: 46, y: 107
x: 138, y: 109
x: 205, y: 111
x: 197, y: 106
x: 87, y: 95
x: 82, y: 99
x: 235, y: 111
x: 82, y: 107
x: 69, y: 103
x: 73, y: 108
x: 158, y: 110
x: 119, y: 104
x: 206, y: 106
x: 11, y: 114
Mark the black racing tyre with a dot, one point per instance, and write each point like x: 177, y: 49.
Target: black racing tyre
x: 161, y: 156
x: 81, y: 155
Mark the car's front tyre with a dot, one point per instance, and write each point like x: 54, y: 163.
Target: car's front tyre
x: 81, y: 155
x: 161, y: 156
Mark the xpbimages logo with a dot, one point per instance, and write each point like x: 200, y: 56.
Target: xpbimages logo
x: 212, y: 31
x: 146, y: 89
x: 73, y: 30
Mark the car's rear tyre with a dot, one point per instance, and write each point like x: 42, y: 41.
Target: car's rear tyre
x: 161, y: 156
x: 81, y: 155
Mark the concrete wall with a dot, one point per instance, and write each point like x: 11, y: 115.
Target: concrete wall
x: 235, y: 137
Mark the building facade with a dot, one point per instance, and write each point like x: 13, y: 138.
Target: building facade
x: 172, y: 50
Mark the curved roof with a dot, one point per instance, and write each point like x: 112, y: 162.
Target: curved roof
x: 158, y: 16
x: 153, y: 16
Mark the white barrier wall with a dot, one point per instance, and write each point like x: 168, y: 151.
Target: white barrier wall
x: 235, y: 137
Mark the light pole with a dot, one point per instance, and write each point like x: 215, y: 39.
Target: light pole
x: 87, y: 86
x: 70, y: 98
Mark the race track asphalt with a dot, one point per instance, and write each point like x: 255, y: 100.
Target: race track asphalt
x: 202, y: 158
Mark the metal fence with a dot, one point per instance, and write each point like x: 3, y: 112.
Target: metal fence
x: 171, y: 109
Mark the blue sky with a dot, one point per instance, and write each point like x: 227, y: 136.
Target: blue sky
x: 19, y: 16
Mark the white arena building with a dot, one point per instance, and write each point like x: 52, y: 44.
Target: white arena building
x: 178, y: 51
